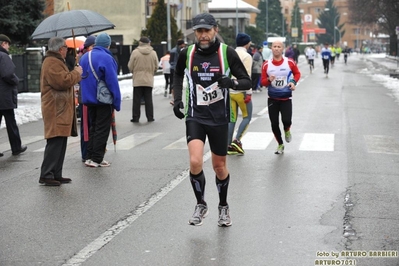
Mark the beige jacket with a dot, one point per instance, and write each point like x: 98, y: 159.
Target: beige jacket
x: 143, y: 64
x: 246, y: 59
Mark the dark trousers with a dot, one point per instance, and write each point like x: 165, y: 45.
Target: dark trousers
x: 100, y: 117
x: 145, y: 92
x: 12, y: 129
x: 255, y: 80
x: 275, y: 108
x: 54, y: 155
x: 172, y: 74
x: 326, y: 64
x: 167, y: 83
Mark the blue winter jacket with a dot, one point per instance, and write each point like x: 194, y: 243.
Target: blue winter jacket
x: 106, y: 68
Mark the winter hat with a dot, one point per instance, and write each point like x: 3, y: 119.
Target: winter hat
x: 242, y: 39
x: 4, y: 38
x: 144, y: 40
x: 103, y: 40
x: 89, y: 41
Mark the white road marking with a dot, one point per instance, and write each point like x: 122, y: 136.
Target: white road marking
x: 317, y: 142
x: 257, y: 140
x: 25, y: 141
x: 180, y: 144
x: 381, y: 144
x: 131, y: 141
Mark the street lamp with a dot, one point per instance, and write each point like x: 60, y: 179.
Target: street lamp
x: 267, y: 19
x: 335, y: 23
x: 282, y: 24
x: 336, y: 28
x: 169, y: 34
x: 295, y: 21
x: 236, y: 17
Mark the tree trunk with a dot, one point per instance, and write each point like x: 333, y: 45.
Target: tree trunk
x: 393, y: 44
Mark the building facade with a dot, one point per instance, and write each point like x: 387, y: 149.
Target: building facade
x: 237, y: 14
x: 355, y: 36
x: 130, y: 17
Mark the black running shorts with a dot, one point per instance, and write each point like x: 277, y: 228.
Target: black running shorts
x: 217, y: 135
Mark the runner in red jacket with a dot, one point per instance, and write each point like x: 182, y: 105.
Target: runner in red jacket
x: 280, y: 75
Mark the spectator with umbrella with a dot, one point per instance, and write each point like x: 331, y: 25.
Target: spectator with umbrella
x: 58, y: 110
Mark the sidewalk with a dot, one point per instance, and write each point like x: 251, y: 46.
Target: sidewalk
x: 391, y: 63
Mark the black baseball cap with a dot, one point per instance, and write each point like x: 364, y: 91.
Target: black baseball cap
x: 204, y: 21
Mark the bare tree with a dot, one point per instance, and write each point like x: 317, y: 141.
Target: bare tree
x: 384, y: 13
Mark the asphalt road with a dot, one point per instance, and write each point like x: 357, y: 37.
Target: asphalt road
x: 332, y: 197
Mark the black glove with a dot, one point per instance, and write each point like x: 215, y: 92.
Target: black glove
x: 176, y: 109
x: 225, y: 82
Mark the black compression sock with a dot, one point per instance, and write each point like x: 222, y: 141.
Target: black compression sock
x: 198, y: 184
x: 223, y: 186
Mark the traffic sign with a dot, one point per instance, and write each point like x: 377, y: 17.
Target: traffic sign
x: 307, y: 18
x: 294, y: 32
x: 315, y: 30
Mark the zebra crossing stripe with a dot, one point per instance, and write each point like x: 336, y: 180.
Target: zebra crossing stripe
x: 25, y: 140
x: 131, y: 141
x: 317, y: 142
x: 381, y: 144
x: 180, y: 144
x: 256, y: 140
x: 251, y: 141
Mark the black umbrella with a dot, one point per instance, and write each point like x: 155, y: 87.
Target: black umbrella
x: 71, y: 23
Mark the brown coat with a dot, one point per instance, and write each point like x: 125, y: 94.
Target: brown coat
x: 57, y: 95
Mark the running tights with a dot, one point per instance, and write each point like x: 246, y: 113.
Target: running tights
x: 275, y: 108
x: 326, y: 64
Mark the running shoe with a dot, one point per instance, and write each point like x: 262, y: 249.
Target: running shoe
x: 201, y: 211
x: 93, y: 164
x: 224, y: 216
x: 280, y: 149
x: 288, y: 136
x: 238, y: 146
x: 231, y: 150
